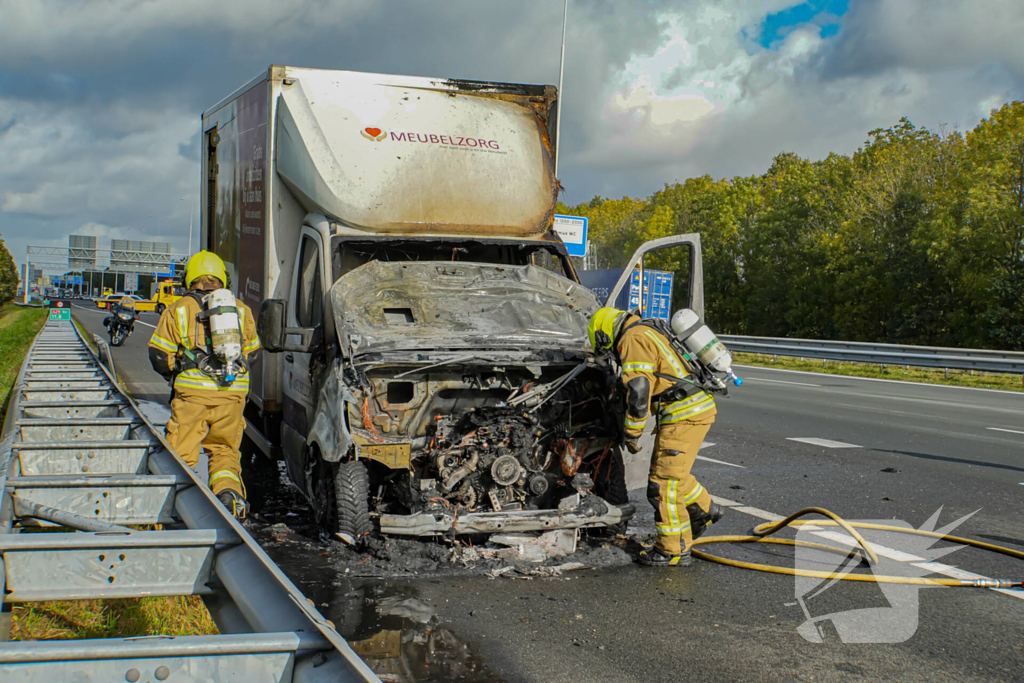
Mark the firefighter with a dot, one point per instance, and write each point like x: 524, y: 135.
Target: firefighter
x: 206, y: 408
x: 652, y: 372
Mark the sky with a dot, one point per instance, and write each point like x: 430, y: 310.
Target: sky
x: 100, y: 100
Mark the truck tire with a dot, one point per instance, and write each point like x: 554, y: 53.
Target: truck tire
x: 610, y: 484
x: 610, y: 479
x: 352, y: 502
x: 160, y: 309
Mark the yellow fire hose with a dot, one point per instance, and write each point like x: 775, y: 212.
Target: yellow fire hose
x: 762, y: 534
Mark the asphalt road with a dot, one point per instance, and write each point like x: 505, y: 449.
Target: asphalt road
x: 132, y: 358
x: 890, y: 450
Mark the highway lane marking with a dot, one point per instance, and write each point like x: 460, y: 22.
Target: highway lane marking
x: 869, y: 379
x: 720, y: 462
x: 824, y: 443
x: 779, y: 381
x: 891, y: 553
x: 1000, y: 429
x: 97, y: 310
x: 944, y: 404
x: 708, y: 444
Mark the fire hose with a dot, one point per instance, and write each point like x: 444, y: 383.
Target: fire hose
x: 763, y: 534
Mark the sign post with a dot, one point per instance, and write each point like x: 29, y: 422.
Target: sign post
x: 573, y: 231
x: 60, y: 312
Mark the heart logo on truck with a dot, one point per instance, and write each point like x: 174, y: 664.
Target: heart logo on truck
x: 375, y: 134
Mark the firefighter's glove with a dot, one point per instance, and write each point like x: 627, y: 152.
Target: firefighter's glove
x: 633, y: 445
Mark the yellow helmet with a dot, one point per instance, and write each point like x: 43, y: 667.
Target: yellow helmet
x: 601, y: 329
x: 205, y: 263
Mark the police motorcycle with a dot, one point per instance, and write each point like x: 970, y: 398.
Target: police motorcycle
x: 121, y: 322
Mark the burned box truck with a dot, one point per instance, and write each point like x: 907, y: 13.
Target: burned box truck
x: 425, y: 365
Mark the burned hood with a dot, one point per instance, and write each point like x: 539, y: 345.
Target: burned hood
x: 384, y: 306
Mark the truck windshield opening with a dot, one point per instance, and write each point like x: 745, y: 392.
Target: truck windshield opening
x: 349, y: 255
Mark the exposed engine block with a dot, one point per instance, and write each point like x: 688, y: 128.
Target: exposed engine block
x: 489, y: 459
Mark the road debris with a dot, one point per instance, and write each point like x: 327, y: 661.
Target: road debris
x: 519, y: 572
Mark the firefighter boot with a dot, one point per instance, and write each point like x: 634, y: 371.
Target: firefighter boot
x: 700, y: 520
x: 659, y: 558
x: 234, y: 502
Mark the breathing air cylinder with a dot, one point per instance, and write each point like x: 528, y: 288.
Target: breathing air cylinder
x: 225, y: 330
x: 700, y: 341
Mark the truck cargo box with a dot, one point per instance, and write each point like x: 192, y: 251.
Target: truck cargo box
x: 374, y: 154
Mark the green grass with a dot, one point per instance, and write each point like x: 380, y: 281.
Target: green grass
x: 959, y: 378
x: 124, y: 618
x: 73, y: 619
x: 18, y: 327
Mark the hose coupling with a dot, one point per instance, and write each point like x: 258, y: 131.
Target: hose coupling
x: 991, y: 583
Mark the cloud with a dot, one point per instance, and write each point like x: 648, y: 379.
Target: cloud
x: 709, y: 100
x: 100, y: 101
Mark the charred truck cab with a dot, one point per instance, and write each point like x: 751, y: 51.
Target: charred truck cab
x: 425, y: 365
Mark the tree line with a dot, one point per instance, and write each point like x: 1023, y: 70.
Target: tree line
x: 916, y: 238
x: 8, y: 274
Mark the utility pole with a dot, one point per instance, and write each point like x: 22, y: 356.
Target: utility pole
x: 561, y: 71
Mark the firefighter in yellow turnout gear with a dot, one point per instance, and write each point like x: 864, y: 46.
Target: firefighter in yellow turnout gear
x: 206, y: 410
x: 651, y: 373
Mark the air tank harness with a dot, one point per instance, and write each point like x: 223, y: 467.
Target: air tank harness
x: 223, y: 332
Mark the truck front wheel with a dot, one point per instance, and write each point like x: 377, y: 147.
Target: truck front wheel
x: 352, y: 502
x: 160, y: 309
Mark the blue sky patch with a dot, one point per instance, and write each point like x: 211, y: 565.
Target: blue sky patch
x: 776, y: 26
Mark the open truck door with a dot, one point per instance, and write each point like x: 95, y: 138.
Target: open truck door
x: 679, y: 255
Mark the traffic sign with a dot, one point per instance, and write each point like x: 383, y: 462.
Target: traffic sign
x: 57, y: 314
x: 573, y: 231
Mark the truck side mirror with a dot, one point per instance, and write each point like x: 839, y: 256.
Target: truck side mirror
x: 273, y: 333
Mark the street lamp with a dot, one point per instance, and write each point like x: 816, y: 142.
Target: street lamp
x: 191, y: 214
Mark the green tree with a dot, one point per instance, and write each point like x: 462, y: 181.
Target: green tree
x: 995, y: 209
x: 8, y: 274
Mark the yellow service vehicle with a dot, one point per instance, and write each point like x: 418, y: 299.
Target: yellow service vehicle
x: 166, y: 293
x: 141, y: 305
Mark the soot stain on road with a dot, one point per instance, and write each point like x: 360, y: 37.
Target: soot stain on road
x: 373, y: 595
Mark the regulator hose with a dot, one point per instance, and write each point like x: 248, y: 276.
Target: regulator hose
x: 763, y: 532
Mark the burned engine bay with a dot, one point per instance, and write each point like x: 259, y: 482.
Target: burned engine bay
x: 464, y: 440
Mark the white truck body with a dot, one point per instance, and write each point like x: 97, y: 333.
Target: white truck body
x: 369, y: 153
x: 424, y: 332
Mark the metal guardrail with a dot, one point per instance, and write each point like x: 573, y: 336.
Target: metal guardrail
x: 1011, y: 362
x: 76, y: 453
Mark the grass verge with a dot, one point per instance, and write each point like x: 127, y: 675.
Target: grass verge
x: 75, y: 619
x: 958, y: 378
x: 18, y: 327
x: 124, y: 618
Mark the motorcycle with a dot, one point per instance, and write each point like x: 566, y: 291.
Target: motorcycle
x: 121, y: 322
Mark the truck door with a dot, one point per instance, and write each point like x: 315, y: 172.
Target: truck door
x: 664, y: 275
x: 304, y: 310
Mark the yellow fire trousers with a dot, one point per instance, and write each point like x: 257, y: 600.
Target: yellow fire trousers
x: 216, y: 428
x: 671, y: 487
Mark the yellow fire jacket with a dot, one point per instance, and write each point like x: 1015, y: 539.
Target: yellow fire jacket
x: 180, y: 329
x: 644, y: 354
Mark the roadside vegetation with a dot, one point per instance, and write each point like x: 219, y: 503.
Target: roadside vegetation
x: 75, y: 619
x: 916, y: 238
x: 18, y: 327
x: 959, y: 378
